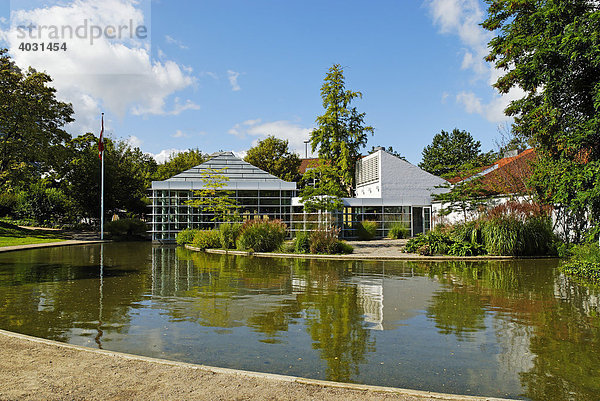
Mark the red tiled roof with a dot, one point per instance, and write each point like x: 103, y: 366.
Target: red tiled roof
x: 305, y: 164
x: 509, y: 176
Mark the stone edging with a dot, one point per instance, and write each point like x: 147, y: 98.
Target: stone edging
x: 49, y: 245
x: 406, y: 257
x: 259, y: 375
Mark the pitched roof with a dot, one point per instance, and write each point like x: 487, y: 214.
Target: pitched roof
x: 306, y: 164
x: 508, y: 175
x: 241, y: 174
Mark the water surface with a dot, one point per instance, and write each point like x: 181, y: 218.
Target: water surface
x: 506, y: 329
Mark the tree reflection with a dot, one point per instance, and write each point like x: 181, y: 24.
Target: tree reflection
x: 458, y: 311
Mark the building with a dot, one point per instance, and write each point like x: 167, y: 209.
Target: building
x: 389, y: 191
x: 257, y: 193
x: 506, y: 179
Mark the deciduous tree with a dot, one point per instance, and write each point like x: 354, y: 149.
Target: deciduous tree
x: 273, y: 156
x: 452, y: 152
x: 551, y: 51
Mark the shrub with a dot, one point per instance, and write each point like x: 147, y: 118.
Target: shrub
x: 324, y: 240
x: 432, y: 243
x: 344, y: 248
x: 510, y: 236
x: 302, y: 242
x: 502, y: 236
x: 367, y: 230
x: 186, y: 236
x: 228, y: 234
x: 468, y: 232
x: 589, y: 271
x: 207, y: 239
x: 398, y: 231
x: 126, y: 229
x: 589, y: 252
x: 463, y: 248
x: 262, y: 235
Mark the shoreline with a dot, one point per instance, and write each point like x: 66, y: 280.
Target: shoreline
x: 37, y: 368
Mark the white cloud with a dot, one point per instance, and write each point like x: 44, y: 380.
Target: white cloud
x: 462, y: 18
x: 210, y: 74
x: 175, y: 42
x: 134, y: 141
x: 164, y: 154
x: 233, y: 80
x: 471, y: 102
x: 283, y: 129
x: 180, y: 134
x: 445, y: 96
x: 118, y: 75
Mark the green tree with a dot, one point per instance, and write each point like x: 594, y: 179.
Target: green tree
x: 341, y: 131
x: 31, y: 121
x: 273, y: 156
x: 551, y: 51
x: 452, y: 152
x: 128, y: 173
x: 213, y: 197
x: 322, y: 189
x: 178, y: 163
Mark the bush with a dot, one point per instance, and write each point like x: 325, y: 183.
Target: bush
x: 262, y: 235
x: 509, y: 236
x: 228, y: 234
x: 432, y: 243
x: 186, y: 236
x: 344, y: 248
x: 207, y: 239
x: 463, y: 248
x: 324, y: 240
x: 589, y: 271
x: 302, y: 242
x: 367, y: 230
x: 398, y: 231
x: 126, y: 229
x: 589, y: 252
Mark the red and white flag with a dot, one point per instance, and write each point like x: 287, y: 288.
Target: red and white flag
x: 101, y: 140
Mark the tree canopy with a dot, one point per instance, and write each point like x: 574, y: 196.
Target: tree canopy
x: 31, y: 124
x: 273, y: 156
x: 551, y: 51
x: 453, y: 152
x: 178, y: 163
x: 341, y: 132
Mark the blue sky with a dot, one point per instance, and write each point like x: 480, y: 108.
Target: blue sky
x: 220, y: 75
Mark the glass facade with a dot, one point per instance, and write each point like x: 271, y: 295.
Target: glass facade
x: 171, y: 212
x: 416, y: 219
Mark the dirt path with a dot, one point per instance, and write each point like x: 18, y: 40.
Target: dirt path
x: 35, y: 369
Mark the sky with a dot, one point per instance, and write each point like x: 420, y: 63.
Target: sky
x: 221, y: 75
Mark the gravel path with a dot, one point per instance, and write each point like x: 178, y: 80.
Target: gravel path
x: 35, y: 369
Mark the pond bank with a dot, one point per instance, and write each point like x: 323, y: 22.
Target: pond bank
x: 49, y: 245
x: 384, y: 249
x: 39, y: 369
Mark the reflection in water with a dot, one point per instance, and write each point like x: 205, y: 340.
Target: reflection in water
x: 503, y: 329
x: 99, y: 336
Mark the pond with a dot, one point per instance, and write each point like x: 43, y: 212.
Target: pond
x: 507, y: 329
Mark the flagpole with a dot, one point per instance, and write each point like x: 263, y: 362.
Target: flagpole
x: 102, y: 182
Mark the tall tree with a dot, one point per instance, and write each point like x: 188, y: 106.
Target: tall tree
x: 128, y: 174
x: 178, y: 163
x: 273, y: 156
x: 31, y: 121
x: 551, y: 50
x: 452, y: 152
x: 341, y: 132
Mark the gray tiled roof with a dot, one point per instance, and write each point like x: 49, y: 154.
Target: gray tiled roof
x: 242, y: 175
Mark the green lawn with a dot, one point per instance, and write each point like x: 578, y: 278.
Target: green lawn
x: 11, y: 235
